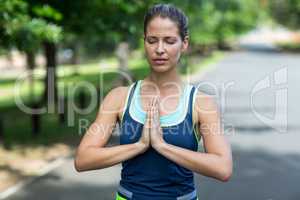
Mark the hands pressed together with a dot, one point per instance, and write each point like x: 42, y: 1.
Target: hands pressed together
x: 152, y: 131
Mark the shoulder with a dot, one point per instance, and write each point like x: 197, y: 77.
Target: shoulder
x: 204, y: 100
x: 120, y: 91
x: 115, y: 100
x: 204, y: 104
x: 115, y: 97
x: 117, y: 91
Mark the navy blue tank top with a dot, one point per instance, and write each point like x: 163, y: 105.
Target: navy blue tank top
x: 151, y: 175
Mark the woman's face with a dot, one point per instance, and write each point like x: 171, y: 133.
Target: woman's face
x: 163, y: 45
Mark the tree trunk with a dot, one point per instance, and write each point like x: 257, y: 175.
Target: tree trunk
x: 122, y: 54
x: 75, y: 56
x: 1, y: 131
x: 35, y: 122
x: 50, y: 92
x: 30, y: 59
x: 222, y: 45
x: 61, y: 110
x: 75, y: 60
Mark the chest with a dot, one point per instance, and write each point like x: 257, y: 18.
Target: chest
x: 166, y: 105
x: 175, y: 119
x: 181, y: 135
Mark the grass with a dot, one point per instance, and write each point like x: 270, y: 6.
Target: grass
x: 199, y: 63
x: 290, y: 47
x: 67, y: 76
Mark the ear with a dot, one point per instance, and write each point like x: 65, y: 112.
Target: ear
x: 185, y: 44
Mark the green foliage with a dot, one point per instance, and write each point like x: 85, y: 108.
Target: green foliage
x: 12, y: 15
x: 103, y: 24
x: 47, y: 12
x: 30, y: 35
x: 286, y: 12
x: 19, y: 29
x: 217, y: 21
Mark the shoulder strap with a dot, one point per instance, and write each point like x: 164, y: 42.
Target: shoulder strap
x: 128, y: 98
x: 131, y: 92
x: 193, y: 101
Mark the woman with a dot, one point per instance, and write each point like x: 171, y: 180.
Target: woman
x: 161, y: 120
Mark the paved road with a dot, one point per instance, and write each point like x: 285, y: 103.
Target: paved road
x: 266, y: 161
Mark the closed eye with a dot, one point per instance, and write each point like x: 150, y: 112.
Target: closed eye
x: 151, y: 40
x: 168, y: 40
x: 171, y: 41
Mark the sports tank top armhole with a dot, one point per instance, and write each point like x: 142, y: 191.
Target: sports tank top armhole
x: 127, y: 100
x: 195, y: 124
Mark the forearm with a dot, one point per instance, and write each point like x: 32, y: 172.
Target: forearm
x: 207, y: 164
x: 91, y: 158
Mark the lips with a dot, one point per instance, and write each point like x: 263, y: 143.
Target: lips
x: 160, y: 61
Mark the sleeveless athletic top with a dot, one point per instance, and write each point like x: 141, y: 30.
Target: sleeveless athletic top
x: 150, y: 175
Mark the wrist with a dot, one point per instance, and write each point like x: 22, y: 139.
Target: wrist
x: 160, y: 146
x: 141, y: 147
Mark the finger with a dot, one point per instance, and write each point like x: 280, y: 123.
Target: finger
x: 149, y: 106
x: 157, y: 104
x: 153, y: 114
x: 157, y: 116
x: 152, y: 104
x: 153, y: 101
x: 147, y: 122
x: 148, y: 117
x: 151, y: 109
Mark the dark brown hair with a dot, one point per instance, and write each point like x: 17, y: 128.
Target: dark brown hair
x: 171, y: 12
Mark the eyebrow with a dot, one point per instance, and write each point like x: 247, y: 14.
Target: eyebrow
x: 167, y: 37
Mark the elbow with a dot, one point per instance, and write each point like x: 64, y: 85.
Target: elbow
x: 225, y: 174
x: 77, y: 165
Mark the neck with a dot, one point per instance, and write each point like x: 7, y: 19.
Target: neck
x: 161, y: 80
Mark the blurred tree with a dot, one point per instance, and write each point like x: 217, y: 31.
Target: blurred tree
x: 286, y: 12
x: 20, y: 29
x: 30, y: 36
x: 12, y: 15
x: 49, y: 34
x: 105, y: 24
x: 214, y: 22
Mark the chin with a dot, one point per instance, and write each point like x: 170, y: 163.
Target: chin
x: 161, y: 68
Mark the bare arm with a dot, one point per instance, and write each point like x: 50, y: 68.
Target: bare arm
x: 92, y: 153
x: 216, y: 162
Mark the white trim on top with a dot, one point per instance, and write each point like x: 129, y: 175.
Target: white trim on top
x: 185, y: 110
x: 164, y: 123
x: 126, y: 102
x: 195, y: 124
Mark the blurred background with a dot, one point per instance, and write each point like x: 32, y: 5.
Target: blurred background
x: 58, y: 59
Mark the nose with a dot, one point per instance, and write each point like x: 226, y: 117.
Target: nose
x: 160, y: 48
